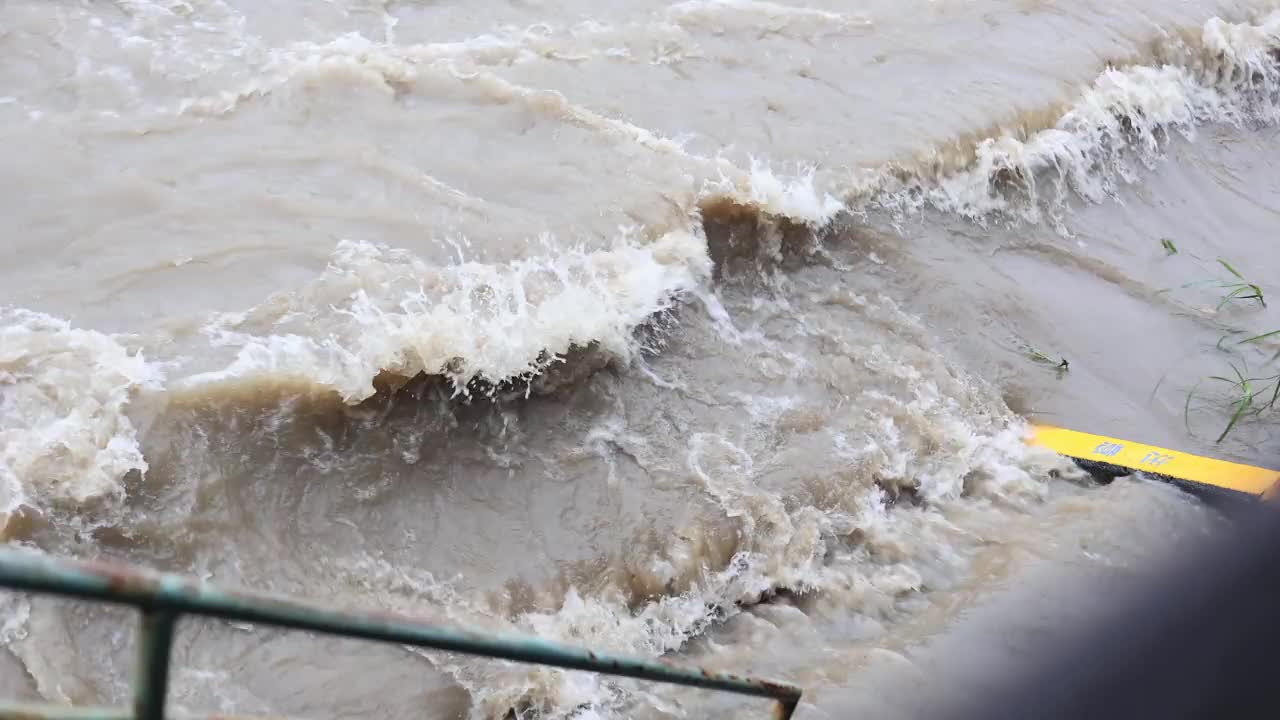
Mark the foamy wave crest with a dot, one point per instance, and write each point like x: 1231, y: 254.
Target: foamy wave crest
x: 796, y: 198
x: 759, y: 218
x: 378, y: 311
x: 64, y: 435
x: 1228, y: 73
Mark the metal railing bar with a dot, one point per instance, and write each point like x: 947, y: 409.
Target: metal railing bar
x: 175, y: 594
x: 38, y: 711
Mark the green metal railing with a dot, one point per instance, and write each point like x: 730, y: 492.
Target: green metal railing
x: 163, y: 598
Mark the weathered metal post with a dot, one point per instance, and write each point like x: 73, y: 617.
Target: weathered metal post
x: 155, y: 639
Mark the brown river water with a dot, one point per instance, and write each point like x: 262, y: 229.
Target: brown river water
x: 699, y: 330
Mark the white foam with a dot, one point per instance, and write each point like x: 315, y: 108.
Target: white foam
x: 796, y: 197
x: 377, y: 309
x: 64, y: 435
x: 1117, y: 124
x: 352, y: 56
x: 15, y: 612
x: 781, y: 549
x: 801, y: 548
x: 757, y: 16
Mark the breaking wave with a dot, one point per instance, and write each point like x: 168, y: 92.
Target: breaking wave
x: 376, y: 318
x: 1228, y: 73
x: 65, y: 439
x: 378, y: 312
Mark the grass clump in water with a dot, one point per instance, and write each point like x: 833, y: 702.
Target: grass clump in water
x: 1240, y: 289
x: 1234, y: 288
x: 1243, y: 395
x: 1247, y: 395
x: 1250, y: 396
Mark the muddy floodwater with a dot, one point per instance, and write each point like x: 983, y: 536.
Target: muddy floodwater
x: 705, y: 330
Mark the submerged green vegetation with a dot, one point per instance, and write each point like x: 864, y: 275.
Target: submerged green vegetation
x: 1252, y: 385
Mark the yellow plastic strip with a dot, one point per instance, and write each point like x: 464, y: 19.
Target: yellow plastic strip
x: 1183, y: 466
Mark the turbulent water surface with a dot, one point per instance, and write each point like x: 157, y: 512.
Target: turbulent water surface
x: 701, y: 330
